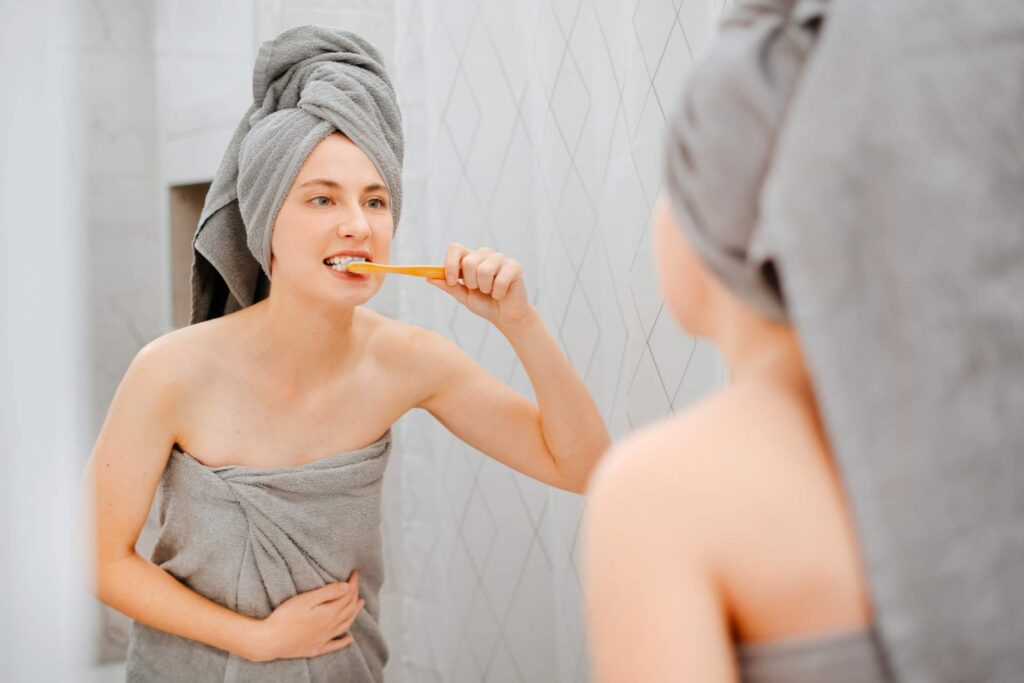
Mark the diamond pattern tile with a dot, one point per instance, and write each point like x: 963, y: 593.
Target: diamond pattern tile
x: 652, y: 23
x: 672, y: 350
x: 534, y: 127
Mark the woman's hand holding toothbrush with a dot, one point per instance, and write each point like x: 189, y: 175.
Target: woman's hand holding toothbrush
x: 492, y: 284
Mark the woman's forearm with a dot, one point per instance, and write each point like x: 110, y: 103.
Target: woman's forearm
x: 570, y: 421
x: 143, y: 591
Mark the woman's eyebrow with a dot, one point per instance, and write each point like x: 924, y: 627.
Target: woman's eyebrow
x: 333, y: 184
x: 321, y: 181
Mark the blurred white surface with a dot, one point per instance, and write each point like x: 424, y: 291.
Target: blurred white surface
x: 44, y: 630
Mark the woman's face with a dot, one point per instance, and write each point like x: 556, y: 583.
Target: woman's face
x: 686, y: 284
x: 337, y: 205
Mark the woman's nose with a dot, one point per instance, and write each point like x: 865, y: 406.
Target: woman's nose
x: 355, y: 226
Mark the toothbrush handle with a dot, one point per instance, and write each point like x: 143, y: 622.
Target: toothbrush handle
x: 421, y: 271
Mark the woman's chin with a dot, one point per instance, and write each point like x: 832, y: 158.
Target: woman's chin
x: 355, y: 295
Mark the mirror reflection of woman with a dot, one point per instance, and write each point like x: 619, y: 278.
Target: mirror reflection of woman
x: 728, y: 523
x: 305, y: 377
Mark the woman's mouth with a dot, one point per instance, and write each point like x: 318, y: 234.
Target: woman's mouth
x: 338, y: 266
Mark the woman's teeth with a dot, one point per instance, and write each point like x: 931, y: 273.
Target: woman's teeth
x: 341, y: 262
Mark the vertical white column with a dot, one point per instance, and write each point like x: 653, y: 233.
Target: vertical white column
x: 43, y: 634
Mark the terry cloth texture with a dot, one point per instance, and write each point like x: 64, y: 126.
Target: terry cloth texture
x: 250, y: 538
x: 847, y: 657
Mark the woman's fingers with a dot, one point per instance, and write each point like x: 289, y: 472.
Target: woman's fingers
x: 343, y: 624
x: 349, y: 598
x: 340, y: 590
x: 508, y: 273
x: 334, y: 645
x: 452, y: 261
x: 470, y: 262
x: 339, y: 625
x: 486, y: 271
x: 328, y: 593
x: 480, y: 267
x: 342, y: 595
x: 347, y: 612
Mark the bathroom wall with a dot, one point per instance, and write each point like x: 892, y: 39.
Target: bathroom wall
x: 43, y: 390
x: 534, y: 127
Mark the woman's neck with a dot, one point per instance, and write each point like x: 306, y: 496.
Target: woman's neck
x: 757, y: 347
x: 303, y: 341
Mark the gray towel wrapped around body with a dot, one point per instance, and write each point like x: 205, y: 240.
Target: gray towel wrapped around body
x: 250, y: 538
x: 307, y: 83
x: 873, y: 197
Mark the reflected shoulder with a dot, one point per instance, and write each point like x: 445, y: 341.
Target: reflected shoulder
x: 675, y: 447
x: 674, y: 478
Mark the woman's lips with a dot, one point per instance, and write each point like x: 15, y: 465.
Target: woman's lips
x: 346, y: 275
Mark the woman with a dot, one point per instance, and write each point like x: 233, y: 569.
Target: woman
x: 268, y: 426
x: 719, y: 544
x: 725, y: 525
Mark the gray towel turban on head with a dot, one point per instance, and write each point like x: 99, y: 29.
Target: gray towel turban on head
x: 863, y: 181
x: 307, y: 83
x: 722, y: 135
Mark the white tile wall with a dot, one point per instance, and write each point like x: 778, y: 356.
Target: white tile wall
x: 204, y: 54
x: 533, y: 127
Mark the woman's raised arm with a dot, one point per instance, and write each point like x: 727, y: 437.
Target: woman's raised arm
x: 559, y: 439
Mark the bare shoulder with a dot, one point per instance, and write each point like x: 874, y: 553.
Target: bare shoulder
x: 176, y: 363
x: 743, y: 483
x: 649, y: 582
x: 712, y: 450
x: 668, y: 477
x: 180, y: 350
x: 411, y: 347
x: 423, y: 361
x: 702, y: 476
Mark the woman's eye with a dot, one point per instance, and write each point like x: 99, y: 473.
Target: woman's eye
x: 316, y: 200
x: 376, y: 203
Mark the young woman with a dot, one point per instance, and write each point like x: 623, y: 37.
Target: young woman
x: 268, y: 429
x: 726, y: 526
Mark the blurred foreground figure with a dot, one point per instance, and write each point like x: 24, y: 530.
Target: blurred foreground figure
x: 861, y: 181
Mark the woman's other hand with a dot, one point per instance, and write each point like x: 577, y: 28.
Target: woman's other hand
x: 492, y: 283
x: 309, y: 624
